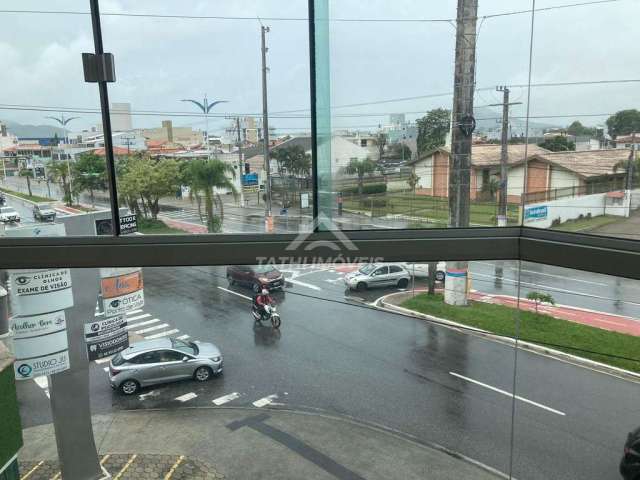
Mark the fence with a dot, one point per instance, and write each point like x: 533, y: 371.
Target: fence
x: 616, y: 183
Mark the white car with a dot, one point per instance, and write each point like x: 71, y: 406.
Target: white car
x: 9, y: 215
x: 421, y: 270
x: 377, y: 275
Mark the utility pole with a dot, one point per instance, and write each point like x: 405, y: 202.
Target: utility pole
x: 240, y: 163
x: 463, y: 125
x: 265, y: 133
x: 631, y: 164
x: 127, y: 140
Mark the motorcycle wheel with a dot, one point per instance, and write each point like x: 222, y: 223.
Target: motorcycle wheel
x: 275, y: 321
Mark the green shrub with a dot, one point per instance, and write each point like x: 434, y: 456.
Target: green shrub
x: 367, y: 189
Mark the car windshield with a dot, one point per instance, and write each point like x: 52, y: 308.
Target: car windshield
x: 117, y: 359
x: 6, y: 210
x: 186, y: 347
x: 367, y: 269
x: 264, y: 268
x: 44, y: 206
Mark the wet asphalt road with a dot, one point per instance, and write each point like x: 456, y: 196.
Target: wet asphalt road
x: 341, y: 357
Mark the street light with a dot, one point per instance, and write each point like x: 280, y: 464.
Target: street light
x: 205, y: 107
x: 64, y: 122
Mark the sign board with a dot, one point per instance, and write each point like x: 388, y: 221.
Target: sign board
x: 536, y: 213
x: 121, y: 285
x: 38, y: 291
x: 106, y: 346
x: 304, y: 200
x: 128, y: 225
x: 123, y: 304
x: 42, y: 365
x: 107, y: 327
x: 37, y: 325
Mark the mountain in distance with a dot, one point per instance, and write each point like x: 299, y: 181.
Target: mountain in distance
x: 32, y: 131
x: 489, y: 121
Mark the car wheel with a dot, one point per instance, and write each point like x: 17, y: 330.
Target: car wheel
x: 361, y: 286
x: 230, y: 280
x: 129, y: 387
x: 257, y: 288
x: 403, y: 282
x: 202, y: 374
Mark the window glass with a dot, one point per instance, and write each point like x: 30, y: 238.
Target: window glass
x: 170, y: 356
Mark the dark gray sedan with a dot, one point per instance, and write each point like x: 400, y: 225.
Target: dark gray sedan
x: 163, y: 360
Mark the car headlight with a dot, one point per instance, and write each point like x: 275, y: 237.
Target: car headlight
x: 264, y: 279
x: 216, y: 359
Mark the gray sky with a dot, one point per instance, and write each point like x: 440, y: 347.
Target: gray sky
x: 160, y: 61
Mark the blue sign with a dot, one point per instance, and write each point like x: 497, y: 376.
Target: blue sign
x: 536, y: 213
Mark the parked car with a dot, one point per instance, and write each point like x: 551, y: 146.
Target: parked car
x: 3, y: 199
x: 44, y: 212
x: 421, y: 270
x: 378, y: 275
x: 9, y: 215
x: 163, y: 360
x: 256, y: 276
x: 630, y: 463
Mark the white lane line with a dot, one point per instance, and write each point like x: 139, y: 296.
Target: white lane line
x: 303, y: 284
x: 162, y: 334
x: 138, y: 317
x: 152, y: 329
x: 503, y: 392
x: 142, y: 324
x: 133, y: 312
x: 103, y: 360
x: 533, y: 272
x: 183, y: 337
x: 235, y: 293
x: 42, y: 382
x: 264, y: 401
x: 186, y: 397
x: 225, y: 399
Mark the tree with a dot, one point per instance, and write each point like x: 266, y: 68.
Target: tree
x: 381, y: 140
x: 624, y: 122
x: 399, y: 151
x: 202, y: 177
x: 578, y: 130
x: 539, y: 298
x: 558, y: 144
x: 433, y: 129
x: 28, y: 174
x: 491, y: 187
x: 58, y: 172
x: 413, y: 180
x: 147, y: 179
x: 360, y: 168
x: 630, y: 167
x: 56, y: 140
x: 89, y: 174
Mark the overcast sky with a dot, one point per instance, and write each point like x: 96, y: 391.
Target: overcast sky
x: 160, y: 61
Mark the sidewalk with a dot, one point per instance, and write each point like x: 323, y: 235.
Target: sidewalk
x: 249, y: 443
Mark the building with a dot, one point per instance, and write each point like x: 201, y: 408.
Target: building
x: 627, y: 141
x: 367, y: 141
x: 121, y: 117
x: 546, y: 172
x: 167, y: 132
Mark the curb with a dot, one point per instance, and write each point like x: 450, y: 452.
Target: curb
x: 532, y: 347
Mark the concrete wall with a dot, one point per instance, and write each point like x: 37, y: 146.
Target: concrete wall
x: 561, y: 178
x: 424, y: 171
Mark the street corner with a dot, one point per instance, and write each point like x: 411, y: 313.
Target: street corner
x: 131, y: 467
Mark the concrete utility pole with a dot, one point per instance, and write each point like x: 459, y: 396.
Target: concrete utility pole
x: 265, y: 127
x: 631, y: 164
x: 462, y: 130
x: 240, y: 163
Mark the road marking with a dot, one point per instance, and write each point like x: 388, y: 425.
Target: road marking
x: 56, y: 476
x: 162, y: 334
x: 542, y: 273
x: 235, y: 293
x: 182, y: 337
x: 152, y: 393
x: 142, y: 324
x: 303, y: 284
x: 225, y: 399
x: 126, y: 467
x: 503, y: 392
x: 103, y: 360
x: 105, y: 458
x: 152, y: 329
x: 133, y: 312
x: 186, y: 397
x: 30, y: 472
x: 173, y: 469
x: 264, y: 401
x: 42, y: 382
x: 138, y: 317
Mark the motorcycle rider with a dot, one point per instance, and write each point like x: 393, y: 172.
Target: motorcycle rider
x: 261, y: 300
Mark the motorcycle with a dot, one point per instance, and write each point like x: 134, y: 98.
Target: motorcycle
x: 270, y: 313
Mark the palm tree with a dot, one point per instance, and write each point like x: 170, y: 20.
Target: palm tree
x: 360, y: 168
x: 631, y: 169
x: 59, y: 173
x: 28, y: 174
x: 205, y: 175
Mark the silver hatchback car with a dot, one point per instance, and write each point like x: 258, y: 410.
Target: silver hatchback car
x: 163, y: 360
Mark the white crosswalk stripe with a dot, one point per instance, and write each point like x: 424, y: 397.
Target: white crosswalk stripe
x: 133, y: 312
x: 226, y: 398
x: 162, y: 334
x: 186, y: 397
x: 183, y: 337
x: 103, y: 360
x: 142, y: 324
x: 138, y: 317
x: 263, y: 402
x: 152, y: 329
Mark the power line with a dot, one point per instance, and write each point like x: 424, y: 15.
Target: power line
x: 304, y: 19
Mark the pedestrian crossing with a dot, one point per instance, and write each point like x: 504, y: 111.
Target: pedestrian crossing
x: 183, y: 214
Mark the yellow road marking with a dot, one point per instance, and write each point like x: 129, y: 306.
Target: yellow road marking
x: 104, y: 459
x: 173, y: 469
x: 32, y: 470
x: 126, y: 467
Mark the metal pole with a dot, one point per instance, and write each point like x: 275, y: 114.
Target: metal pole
x: 106, y: 123
x: 206, y: 123
x: 240, y: 163
x: 265, y: 124
x: 314, y: 126
x: 504, y: 156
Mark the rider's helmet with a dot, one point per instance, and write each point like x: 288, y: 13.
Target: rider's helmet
x: 265, y: 291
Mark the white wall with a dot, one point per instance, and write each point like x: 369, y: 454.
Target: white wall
x: 515, y: 180
x: 342, y: 151
x: 424, y: 170
x: 561, y: 178
x: 635, y: 199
